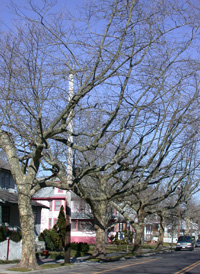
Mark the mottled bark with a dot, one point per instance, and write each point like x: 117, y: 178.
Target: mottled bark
x: 23, y: 183
x: 161, y: 232
x: 100, y: 225
x: 139, y: 231
x: 27, y: 226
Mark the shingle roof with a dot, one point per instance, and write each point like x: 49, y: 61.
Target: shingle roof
x: 80, y: 215
x: 4, y: 165
x: 9, y: 197
x: 45, y: 192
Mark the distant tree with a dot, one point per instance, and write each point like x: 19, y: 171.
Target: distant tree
x: 159, y: 200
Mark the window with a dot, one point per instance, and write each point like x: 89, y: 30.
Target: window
x: 73, y: 225
x: 120, y: 226
x: 81, y: 206
x: 5, y: 181
x: 57, y: 205
x: 85, y: 226
x: 55, y: 221
x: 35, y: 216
x: 5, y: 214
x: 60, y: 190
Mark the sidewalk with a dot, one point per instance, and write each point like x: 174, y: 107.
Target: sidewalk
x: 4, y: 268
x: 76, y: 262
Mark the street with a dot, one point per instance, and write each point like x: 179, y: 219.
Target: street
x: 171, y: 263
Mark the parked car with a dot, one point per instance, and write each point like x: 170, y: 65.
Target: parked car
x: 185, y: 243
x: 197, y: 244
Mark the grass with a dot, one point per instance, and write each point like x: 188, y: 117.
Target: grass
x: 19, y: 269
x: 48, y: 266
x: 9, y: 262
x: 110, y: 248
x: 44, y: 266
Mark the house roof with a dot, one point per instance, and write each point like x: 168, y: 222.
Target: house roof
x: 4, y: 165
x: 12, y: 198
x: 45, y: 192
x: 80, y: 215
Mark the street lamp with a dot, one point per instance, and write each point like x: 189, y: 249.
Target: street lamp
x: 127, y: 227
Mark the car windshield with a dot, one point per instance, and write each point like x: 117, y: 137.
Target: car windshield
x: 184, y: 239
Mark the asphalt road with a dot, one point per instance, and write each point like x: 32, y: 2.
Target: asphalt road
x: 170, y: 263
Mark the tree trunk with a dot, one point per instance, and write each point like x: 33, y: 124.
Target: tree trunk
x: 24, y: 198
x: 139, y: 232
x: 161, y: 232
x: 100, y: 250
x: 100, y: 225
x: 28, y: 238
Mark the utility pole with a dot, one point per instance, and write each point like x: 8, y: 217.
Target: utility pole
x: 179, y: 214
x: 69, y: 177
x: 179, y: 219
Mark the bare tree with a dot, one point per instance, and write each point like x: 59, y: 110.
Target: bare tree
x: 161, y: 179
x: 132, y: 72
x: 159, y: 199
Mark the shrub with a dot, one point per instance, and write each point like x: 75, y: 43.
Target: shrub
x: 51, y: 239
x: 80, y: 248
x: 115, y: 239
x: 55, y: 238
x: 13, y: 235
x: 2, y: 234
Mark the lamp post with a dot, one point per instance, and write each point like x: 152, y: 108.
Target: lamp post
x: 127, y: 227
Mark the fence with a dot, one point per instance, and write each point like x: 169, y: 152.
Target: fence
x: 166, y: 240
x: 10, y: 250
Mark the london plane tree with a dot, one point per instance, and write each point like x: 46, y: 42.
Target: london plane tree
x: 135, y: 65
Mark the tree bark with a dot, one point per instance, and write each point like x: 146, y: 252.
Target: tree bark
x: 100, y: 225
x: 161, y: 232
x: 139, y: 231
x: 28, y: 238
x: 24, y: 200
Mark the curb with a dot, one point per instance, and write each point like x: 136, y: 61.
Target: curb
x: 79, y: 262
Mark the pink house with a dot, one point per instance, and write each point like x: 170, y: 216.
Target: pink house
x: 82, y: 229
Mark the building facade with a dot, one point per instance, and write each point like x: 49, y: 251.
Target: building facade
x: 9, y: 213
x: 82, y: 229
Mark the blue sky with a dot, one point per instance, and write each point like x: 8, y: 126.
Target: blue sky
x: 7, y: 17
